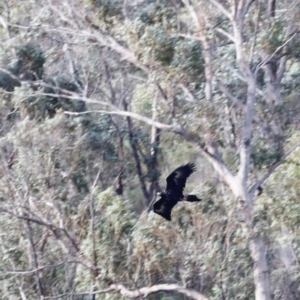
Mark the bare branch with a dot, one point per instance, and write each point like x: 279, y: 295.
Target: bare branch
x: 49, y: 225
x: 20, y: 217
x: 247, y: 6
x: 146, y: 291
x: 114, y: 109
x: 273, y: 167
x: 190, y: 97
x: 142, y: 292
x: 30, y: 272
x: 128, y: 114
x: 228, y: 35
x: 60, y: 296
x: 104, y: 40
x: 222, y: 9
x: 215, y: 161
x: 10, y: 74
x: 188, y: 36
x: 239, y: 104
x: 268, y: 59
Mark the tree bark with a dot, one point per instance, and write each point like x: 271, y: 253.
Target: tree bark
x: 256, y: 243
x: 260, y: 268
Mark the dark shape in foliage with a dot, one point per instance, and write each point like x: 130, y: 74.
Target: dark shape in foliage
x: 259, y: 191
x: 28, y: 66
x: 174, y: 191
x: 30, y: 63
x: 108, y: 9
x: 7, y: 82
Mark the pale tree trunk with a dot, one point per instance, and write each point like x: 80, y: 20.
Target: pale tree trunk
x: 256, y: 243
x: 260, y: 268
x: 239, y: 184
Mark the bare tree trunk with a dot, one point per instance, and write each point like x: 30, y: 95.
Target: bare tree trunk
x: 256, y: 243
x: 260, y: 268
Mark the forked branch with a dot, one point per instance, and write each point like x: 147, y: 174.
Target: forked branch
x: 273, y: 167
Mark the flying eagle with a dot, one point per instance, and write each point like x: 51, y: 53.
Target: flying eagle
x: 174, y: 191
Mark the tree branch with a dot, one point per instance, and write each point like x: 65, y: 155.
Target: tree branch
x: 30, y: 272
x: 273, y: 167
x: 146, y: 291
x: 104, y: 41
x: 268, y: 59
x: 222, y: 9
x: 142, y: 292
x: 128, y: 114
x: 51, y: 226
x: 225, y: 33
x: 215, y: 161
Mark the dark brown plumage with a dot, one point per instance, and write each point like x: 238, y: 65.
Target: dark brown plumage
x: 174, y: 191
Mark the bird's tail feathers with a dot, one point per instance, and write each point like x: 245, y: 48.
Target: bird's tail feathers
x: 192, y: 198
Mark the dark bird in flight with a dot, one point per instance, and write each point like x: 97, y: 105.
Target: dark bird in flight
x: 174, y: 191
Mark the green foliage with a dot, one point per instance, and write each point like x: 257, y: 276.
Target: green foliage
x: 188, y: 61
x: 157, y: 45
x: 61, y: 171
x: 160, y: 14
x: 275, y: 36
x: 42, y: 106
x: 109, y: 241
x: 264, y: 154
x: 30, y: 62
x: 107, y: 9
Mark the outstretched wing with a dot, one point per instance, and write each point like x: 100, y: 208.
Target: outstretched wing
x: 163, y: 207
x: 177, y: 179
